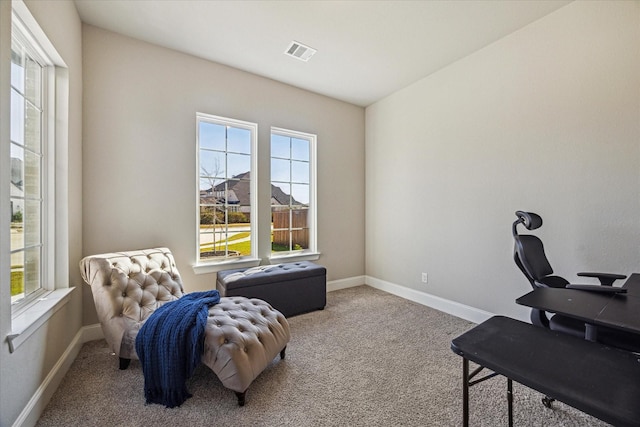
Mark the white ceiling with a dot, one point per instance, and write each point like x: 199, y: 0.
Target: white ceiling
x: 366, y: 49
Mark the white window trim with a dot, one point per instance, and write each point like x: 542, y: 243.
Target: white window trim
x: 29, y: 318
x: 203, y: 267
x: 310, y: 254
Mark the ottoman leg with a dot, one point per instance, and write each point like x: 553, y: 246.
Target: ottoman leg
x: 282, y: 353
x: 124, y: 363
x: 241, y: 397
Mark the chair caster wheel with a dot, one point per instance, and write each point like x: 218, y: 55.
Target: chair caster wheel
x: 546, y: 401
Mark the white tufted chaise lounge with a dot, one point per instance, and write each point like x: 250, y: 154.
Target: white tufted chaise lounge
x: 242, y: 335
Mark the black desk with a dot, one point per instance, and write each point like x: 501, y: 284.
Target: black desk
x: 618, y: 311
x: 592, y: 377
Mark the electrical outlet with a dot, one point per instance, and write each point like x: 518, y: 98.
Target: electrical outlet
x: 425, y: 278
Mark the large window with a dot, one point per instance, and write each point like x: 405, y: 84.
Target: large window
x: 293, y: 206
x: 29, y: 198
x: 226, y: 189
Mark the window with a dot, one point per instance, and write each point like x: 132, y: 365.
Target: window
x: 293, y: 201
x: 29, y: 152
x: 34, y: 239
x: 227, y: 192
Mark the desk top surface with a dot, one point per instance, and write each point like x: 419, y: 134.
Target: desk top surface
x: 594, y: 378
x: 620, y: 311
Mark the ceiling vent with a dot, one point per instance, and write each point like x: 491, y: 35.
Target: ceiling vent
x: 300, y: 51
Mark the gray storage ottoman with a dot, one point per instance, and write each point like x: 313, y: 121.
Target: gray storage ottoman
x: 291, y: 288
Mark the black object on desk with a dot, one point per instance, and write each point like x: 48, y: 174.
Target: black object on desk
x: 592, y: 377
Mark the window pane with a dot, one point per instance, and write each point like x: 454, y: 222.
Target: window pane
x: 280, y: 236
x: 238, y: 164
x: 300, y: 172
x: 212, y: 136
x: 32, y: 175
x: 299, y: 149
x: 212, y: 163
x: 207, y: 189
x: 31, y: 220
x: 32, y: 131
x: 280, y: 170
x: 239, y: 140
x: 280, y: 194
x: 17, y: 225
x: 17, y: 66
x: 280, y: 146
x: 17, y: 170
x: 17, y: 274
x: 300, y: 194
x: 299, y: 229
x: 17, y: 117
x: 32, y: 270
x: 33, y: 90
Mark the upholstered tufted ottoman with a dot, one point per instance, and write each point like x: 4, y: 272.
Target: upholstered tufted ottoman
x: 242, y: 335
x: 292, y: 288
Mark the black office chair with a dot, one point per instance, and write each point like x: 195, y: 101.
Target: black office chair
x: 529, y: 256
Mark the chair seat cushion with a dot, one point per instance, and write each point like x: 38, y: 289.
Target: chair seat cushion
x: 608, y: 336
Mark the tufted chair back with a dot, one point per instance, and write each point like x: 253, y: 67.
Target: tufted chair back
x: 127, y: 287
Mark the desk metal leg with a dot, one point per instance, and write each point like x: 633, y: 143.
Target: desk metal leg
x: 465, y: 392
x: 590, y: 332
x: 510, y: 400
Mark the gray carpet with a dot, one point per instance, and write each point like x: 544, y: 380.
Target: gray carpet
x: 368, y: 359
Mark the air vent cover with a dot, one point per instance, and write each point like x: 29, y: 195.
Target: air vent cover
x: 300, y: 51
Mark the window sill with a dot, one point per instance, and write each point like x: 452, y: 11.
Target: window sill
x: 305, y: 256
x: 30, y: 320
x: 226, y: 265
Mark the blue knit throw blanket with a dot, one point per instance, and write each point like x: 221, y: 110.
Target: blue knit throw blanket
x: 170, y: 345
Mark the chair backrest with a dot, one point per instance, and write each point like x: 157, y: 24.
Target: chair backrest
x: 127, y: 287
x: 529, y: 255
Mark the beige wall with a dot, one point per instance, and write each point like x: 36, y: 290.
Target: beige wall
x: 23, y: 372
x: 140, y: 103
x: 546, y: 119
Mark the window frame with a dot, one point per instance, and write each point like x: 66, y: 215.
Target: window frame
x: 28, y: 317
x: 311, y: 253
x: 47, y: 178
x: 208, y: 266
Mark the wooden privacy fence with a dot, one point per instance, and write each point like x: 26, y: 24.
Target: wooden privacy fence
x: 299, y: 228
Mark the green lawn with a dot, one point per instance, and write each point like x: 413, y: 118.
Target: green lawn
x: 17, y: 282
x: 243, y: 247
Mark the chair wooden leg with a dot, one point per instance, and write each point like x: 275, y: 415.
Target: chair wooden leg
x: 124, y: 363
x: 282, y: 353
x: 241, y: 397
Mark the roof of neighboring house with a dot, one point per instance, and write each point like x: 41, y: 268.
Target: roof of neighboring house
x: 239, y: 191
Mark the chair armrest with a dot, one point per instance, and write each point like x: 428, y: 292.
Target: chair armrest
x: 606, y: 279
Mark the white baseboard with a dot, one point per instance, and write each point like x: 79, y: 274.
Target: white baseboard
x: 349, y: 282
x: 31, y: 412
x: 466, y: 312
x: 92, y: 333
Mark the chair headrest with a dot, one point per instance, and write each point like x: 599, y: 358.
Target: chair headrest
x: 529, y: 219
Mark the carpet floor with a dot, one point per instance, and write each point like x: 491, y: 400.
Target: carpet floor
x: 368, y: 359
